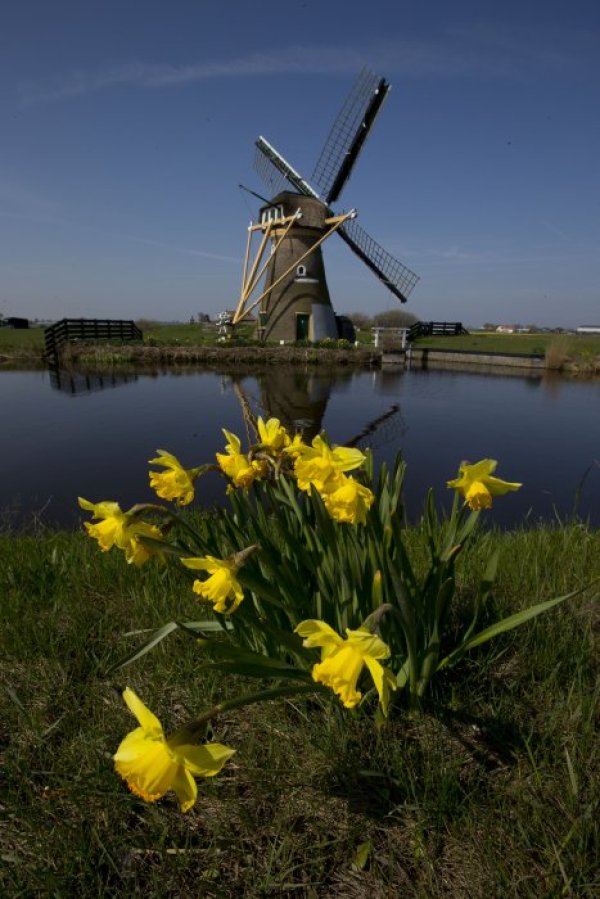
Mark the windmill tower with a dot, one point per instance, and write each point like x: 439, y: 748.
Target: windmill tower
x: 286, y: 279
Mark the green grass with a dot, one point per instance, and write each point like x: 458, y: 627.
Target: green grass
x: 161, y: 334
x: 496, y: 796
x: 529, y: 344
x: 15, y: 339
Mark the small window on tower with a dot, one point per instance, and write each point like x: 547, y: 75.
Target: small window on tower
x: 301, y: 271
x: 272, y: 214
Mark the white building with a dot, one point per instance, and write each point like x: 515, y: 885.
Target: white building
x: 588, y: 329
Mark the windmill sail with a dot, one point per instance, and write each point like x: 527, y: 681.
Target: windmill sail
x: 396, y: 276
x: 348, y: 135
x: 333, y: 169
x: 276, y: 173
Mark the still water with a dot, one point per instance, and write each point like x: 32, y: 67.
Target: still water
x: 67, y: 435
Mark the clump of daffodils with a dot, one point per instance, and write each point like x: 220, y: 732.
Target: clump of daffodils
x: 284, y: 582
x: 317, y: 466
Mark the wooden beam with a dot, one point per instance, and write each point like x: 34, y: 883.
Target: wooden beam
x: 243, y: 293
x: 276, y: 222
x: 245, y: 267
x: 340, y: 221
x: 282, y: 236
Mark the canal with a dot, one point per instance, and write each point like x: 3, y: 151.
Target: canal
x: 68, y: 434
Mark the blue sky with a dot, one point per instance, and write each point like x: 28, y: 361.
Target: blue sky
x: 127, y: 126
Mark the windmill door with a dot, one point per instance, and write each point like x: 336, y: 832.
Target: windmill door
x: 302, y: 321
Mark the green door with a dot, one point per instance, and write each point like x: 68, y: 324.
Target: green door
x: 302, y: 321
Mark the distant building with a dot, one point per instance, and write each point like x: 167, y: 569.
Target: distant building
x: 588, y: 329
x: 505, y: 329
x: 13, y: 322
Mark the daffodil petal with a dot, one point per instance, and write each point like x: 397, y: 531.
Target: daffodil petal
x: 203, y: 563
x: 347, y: 458
x: 369, y: 645
x: 185, y: 787
x: 318, y: 633
x: 166, y: 459
x: 206, y: 760
x: 497, y: 486
x: 384, y: 681
x: 147, y: 719
x: 234, y: 443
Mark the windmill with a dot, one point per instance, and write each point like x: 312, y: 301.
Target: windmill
x: 293, y: 299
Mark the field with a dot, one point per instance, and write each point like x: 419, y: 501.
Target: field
x: 28, y: 339
x: 530, y: 344
x: 494, y: 795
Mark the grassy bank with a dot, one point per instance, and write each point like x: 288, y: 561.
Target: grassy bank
x: 496, y: 796
x: 25, y: 345
x: 183, y: 344
x: 528, y: 344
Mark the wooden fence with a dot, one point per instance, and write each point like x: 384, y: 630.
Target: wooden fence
x: 436, y: 329
x: 93, y: 329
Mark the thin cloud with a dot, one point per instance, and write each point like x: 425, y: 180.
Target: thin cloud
x: 299, y: 60
x: 453, y: 256
x: 20, y: 201
x: 462, y: 51
x: 188, y: 251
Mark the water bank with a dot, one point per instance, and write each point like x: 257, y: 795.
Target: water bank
x: 520, y: 364
x: 75, y: 354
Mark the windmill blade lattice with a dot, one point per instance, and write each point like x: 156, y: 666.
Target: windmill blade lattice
x: 276, y: 173
x: 348, y: 134
x: 273, y: 179
x: 396, y: 276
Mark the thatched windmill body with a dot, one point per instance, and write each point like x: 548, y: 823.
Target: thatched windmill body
x: 286, y: 280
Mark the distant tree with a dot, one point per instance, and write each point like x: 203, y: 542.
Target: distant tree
x: 490, y: 326
x: 394, y: 318
x: 359, y: 319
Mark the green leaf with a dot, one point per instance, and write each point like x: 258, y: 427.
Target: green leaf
x: 485, y: 588
x: 507, y: 624
x: 161, y: 546
x: 206, y: 627
x: 260, y: 586
x: 361, y: 856
x: 256, y: 669
x: 156, y: 638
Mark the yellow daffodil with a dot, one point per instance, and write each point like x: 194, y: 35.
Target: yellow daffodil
x: 222, y: 587
x: 318, y: 463
x: 151, y: 764
x: 476, y: 484
x: 273, y: 436
x: 238, y: 466
x: 347, y: 500
x: 120, y: 529
x: 342, y: 661
x: 295, y: 447
x: 176, y: 483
